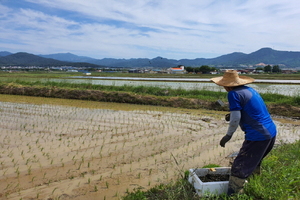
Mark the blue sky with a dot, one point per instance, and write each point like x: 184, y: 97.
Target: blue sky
x: 171, y: 29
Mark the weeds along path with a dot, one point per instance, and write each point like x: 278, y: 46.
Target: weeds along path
x: 71, y: 152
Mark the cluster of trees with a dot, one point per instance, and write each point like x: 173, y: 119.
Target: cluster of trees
x: 204, y: 69
x: 269, y: 69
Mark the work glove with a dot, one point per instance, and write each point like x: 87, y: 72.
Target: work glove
x: 225, y: 139
x: 227, y: 117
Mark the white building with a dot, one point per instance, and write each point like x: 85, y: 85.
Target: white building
x: 177, y: 70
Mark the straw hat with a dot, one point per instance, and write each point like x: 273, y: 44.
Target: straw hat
x: 232, y: 79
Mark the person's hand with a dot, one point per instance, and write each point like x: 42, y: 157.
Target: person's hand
x: 227, y: 117
x: 225, y: 139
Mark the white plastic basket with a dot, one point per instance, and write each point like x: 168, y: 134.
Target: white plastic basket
x: 203, y: 188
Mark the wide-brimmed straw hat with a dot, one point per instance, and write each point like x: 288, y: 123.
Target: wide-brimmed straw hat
x: 232, y: 79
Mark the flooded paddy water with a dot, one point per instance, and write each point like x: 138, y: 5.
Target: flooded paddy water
x: 284, y: 87
x: 73, y: 149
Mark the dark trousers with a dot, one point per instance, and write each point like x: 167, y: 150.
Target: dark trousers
x: 250, y: 156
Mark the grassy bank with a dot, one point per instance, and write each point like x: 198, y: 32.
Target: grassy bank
x: 144, y: 90
x: 144, y: 95
x: 280, y: 170
x: 156, y: 91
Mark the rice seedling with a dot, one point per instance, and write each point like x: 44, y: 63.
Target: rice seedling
x: 73, y: 144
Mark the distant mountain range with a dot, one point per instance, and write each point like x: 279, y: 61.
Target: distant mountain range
x: 265, y: 55
x: 26, y: 59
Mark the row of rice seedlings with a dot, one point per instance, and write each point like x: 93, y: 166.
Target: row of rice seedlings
x: 44, y: 144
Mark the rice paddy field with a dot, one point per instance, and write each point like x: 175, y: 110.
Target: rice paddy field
x: 74, y: 149
x: 288, y: 88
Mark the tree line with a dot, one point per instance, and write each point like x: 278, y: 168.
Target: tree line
x: 269, y: 69
x: 205, y: 69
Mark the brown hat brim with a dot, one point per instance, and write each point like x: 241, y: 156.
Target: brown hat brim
x: 241, y: 80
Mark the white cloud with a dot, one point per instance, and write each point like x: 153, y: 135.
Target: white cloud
x: 168, y: 28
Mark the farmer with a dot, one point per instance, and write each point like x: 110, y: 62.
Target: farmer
x: 248, y: 110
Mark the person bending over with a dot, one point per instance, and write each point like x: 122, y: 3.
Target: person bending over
x: 247, y: 110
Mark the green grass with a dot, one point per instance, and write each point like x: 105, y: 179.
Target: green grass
x: 281, y: 99
x: 157, y: 91
x: 281, y: 173
x: 280, y: 180
x: 146, y: 90
x: 37, y: 74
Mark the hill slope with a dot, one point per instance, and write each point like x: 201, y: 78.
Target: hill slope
x: 26, y: 59
x: 23, y: 58
x: 4, y: 53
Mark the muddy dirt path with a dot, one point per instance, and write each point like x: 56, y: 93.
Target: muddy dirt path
x: 68, y: 152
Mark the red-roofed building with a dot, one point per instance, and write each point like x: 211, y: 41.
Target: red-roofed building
x: 177, y: 70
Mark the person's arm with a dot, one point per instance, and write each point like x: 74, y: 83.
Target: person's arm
x: 235, y: 117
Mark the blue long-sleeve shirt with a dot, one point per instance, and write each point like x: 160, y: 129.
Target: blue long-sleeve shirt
x: 255, y: 121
